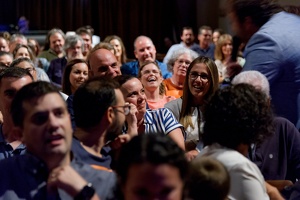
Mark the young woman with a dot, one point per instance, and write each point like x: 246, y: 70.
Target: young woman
x: 151, y: 77
x: 76, y: 73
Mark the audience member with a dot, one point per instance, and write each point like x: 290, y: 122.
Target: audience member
x: 35, y: 48
x: 100, y: 112
x: 54, y: 43
x: 150, y: 121
x: 178, y: 63
x: 264, y: 27
x: 102, y: 62
x: 151, y: 167
x: 187, y: 41
x: 205, y: 47
x: 16, y: 39
x: 11, y: 80
x: 151, y: 77
x: 216, y: 35
x: 144, y: 50
x: 236, y: 117
x: 73, y: 48
x: 6, y: 58
x: 277, y: 157
x: 223, y: 52
x: 75, y: 74
x: 208, y: 179
x: 200, y: 84
x: 86, y: 35
x: 23, y: 51
x: 4, y: 44
x: 119, y: 47
x: 49, y: 170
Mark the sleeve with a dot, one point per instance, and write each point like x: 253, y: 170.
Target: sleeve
x: 170, y: 121
x: 264, y: 54
x: 247, y: 183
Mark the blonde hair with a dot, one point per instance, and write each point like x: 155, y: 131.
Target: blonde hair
x: 221, y: 42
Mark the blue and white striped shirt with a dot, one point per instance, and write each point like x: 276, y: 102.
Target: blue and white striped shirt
x: 161, y: 120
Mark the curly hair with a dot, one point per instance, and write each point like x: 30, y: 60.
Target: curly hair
x: 237, y: 114
x: 260, y: 11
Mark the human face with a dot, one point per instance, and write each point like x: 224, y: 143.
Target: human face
x: 227, y: 48
x: 144, y: 50
x: 148, y: 181
x: 151, y: 77
x: 134, y: 93
x: 199, y: 86
x: 12, y: 45
x: 8, y: 89
x: 187, y: 36
x: 28, y: 67
x: 6, y: 60
x: 57, y: 42
x: 215, y: 37
x: 87, y: 41
x: 78, y: 75
x: 4, y: 45
x: 47, y: 117
x: 117, y: 46
x: 181, y: 65
x: 104, y: 63
x: 115, y: 128
x: 22, y: 53
x: 205, y: 38
x: 74, y: 51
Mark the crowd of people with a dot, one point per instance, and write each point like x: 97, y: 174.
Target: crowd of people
x: 218, y: 119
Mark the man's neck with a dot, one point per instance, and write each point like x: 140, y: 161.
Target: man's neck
x: 204, y: 45
x: 55, y: 161
x: 91, y: 139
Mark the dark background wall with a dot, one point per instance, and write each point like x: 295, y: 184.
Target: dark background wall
x: 127, y: 18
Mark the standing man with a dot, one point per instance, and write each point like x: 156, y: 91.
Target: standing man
x: 272, y: 48
x: 12, y: 79
x: 144, y: 50
x: 55, y: 41
x: 187, y: 41
x: 205, y: 47
x: 48, y: 169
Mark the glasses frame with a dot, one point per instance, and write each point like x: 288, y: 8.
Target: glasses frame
x: 126, y: 109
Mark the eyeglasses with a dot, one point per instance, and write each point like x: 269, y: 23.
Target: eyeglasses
x: 195, y: 75
x: 126, y: 109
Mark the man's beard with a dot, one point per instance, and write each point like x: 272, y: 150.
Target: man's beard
x: 113, y: 131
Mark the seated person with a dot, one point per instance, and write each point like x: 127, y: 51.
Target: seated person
x: 235, y: 117
x: 208, y: 179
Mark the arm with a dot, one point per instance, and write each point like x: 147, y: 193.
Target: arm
x: 177, y: 137
x: 264, y: 54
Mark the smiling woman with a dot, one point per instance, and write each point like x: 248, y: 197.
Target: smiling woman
x: 76, y: 73
x: 151, y: 77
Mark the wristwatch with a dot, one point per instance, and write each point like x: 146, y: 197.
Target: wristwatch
x: 86, y: 193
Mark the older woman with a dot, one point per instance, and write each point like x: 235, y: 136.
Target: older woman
x: 150, y: 121
x: 199, y: 86
x: 119, y: 47
x: 178, y: 64
x: 76, y: 73
x: 223, y: 53
x: 151, y: 77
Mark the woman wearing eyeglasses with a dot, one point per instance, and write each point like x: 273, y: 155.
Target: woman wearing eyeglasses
x: 200, y: 84
x: 150, y: 121
x: 178, y: 64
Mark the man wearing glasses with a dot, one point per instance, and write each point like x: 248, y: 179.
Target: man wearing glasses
x: 100, y: 113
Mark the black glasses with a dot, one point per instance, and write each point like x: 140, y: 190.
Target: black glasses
x: 203, y: 77
x: 126, y: 109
